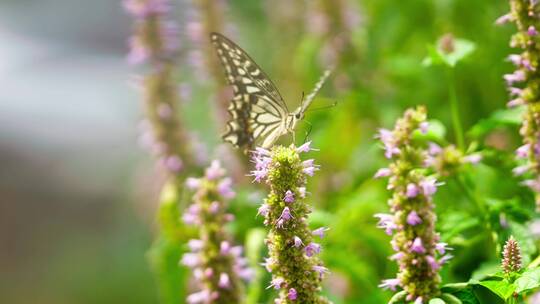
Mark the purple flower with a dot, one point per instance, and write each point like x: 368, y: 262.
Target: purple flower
x: 445, y: 259
x: 304, y: 148
x: 320, y: 231
x: 268, y: 264
x: 312, y: 249
x: 515, y: 91
x: 225, y: 188
x: 260, y: 152
x: 142, y: 9
x: 523, y: 151
x: 520, y: 170
x: 432, y: 262
x: 214, y: 171
x: 236, y: 251
x: 321, y: 270
x: 263, y: 210
x: 417, y: 246
x: 517, y: 76
x: 138, y: 52
x: 193, y: 183
x: 533, y: 184
x: 397, y: 256
x: 412, y: 190
x: 309, y: 171
x: 429, y: 186
x: 190, y: 259
x: 386, y: 136
x: 515, y: 102
x: 383, y: 172
x: 224, y: 248
x: 292, y: 295
x: 224, y: 281
x: 308, y: 163
x: 503, y: 19
x: 195, y: 245
x: 390, y: 151
x: 515, y: 59
x: 473, y: 158
x: 302, y: 192
x: 203, y: 296
x: 531, y: 31
x: 424, y: 126
x: 277, y: 283
x: 413, y: 219
x: 442, y: 247
x: 191, y: 215
x: 262, y: 163
x: 389, y: 284
x: 209, y: 272
x: 286, y: 214
x: 297, y: 242
x: 434, y: 149
x: 259, y: 175
x: 289, y: 197
x: 386, y: 221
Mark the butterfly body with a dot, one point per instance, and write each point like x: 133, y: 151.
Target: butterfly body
x: 259, y: 113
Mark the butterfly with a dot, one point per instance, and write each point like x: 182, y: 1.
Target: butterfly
x: 259, y: 113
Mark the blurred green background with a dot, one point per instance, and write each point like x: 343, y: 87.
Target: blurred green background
x: 78, y: 196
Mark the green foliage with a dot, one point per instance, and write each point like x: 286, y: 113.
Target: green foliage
x: 168, y: 249
x: 459, y: 50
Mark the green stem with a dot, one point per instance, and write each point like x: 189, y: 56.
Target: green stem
x: 454, y: 108
x: 466, y: 184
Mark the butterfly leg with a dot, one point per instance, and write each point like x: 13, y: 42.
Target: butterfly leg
x: 308, y: 132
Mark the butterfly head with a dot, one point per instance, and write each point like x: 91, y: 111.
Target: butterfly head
x: 298, y: 114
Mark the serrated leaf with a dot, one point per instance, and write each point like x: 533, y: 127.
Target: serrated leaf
x: 501, y: 288
x: 530, y: 279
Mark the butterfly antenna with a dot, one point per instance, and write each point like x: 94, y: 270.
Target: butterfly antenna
x: 323, y: 108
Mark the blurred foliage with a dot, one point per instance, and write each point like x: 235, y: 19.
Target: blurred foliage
x: 379, y: 76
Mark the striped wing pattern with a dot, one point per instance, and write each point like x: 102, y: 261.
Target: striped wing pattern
x: 258, y: 112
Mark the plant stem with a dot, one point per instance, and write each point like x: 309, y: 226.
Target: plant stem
x: 454, y: 108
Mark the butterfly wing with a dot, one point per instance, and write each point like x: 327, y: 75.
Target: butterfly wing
x: 257, y: 109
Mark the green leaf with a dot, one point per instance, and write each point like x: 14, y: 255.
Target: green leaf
x: 465, y: 296
x: 436, y: 56
x: 504, y: 117
x: 398, y: 298
x: 436, y: 301
x: 501, y: 288
x: 436, y: 131
x: 530, y: 279
x: 459, y: 293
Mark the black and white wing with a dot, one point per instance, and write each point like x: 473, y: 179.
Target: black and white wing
x: 257, y: 109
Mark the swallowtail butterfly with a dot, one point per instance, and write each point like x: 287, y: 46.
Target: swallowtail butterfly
x: 259, y: 114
